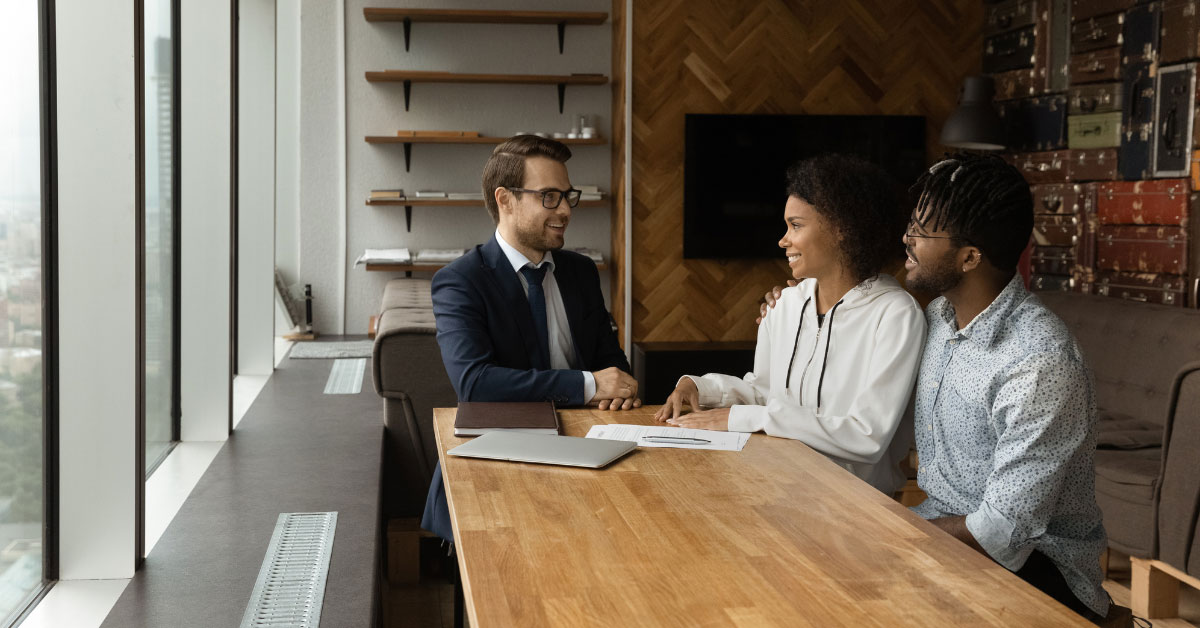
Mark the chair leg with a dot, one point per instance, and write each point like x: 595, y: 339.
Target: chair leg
x: 456, y: 578
x: 1153, y: 593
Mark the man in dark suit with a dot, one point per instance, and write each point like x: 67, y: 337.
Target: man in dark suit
x: 518, y: 318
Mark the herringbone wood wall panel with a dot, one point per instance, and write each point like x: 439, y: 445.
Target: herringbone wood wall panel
x: 617, y: 134
x: 741, y: 56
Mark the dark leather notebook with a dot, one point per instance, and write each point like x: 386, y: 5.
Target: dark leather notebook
x: 479, y: 417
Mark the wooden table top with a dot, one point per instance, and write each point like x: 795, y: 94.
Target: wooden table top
x: 774, y: 535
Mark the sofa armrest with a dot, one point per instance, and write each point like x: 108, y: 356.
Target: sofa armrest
x: 1179, y: 493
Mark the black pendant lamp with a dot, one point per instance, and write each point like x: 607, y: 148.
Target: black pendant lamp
x: 974, y: 125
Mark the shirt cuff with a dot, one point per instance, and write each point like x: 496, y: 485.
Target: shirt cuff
x: 994, y: 533
x: 589, y: 386
x: 747, y: 418
x: 709, y: 392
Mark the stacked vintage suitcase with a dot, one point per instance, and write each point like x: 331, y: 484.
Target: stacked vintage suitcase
x: 1099, y: 102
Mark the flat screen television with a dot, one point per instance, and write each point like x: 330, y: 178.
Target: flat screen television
x: 734, y: 181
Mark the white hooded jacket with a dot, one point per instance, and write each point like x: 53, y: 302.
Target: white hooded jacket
x: 842, y: 387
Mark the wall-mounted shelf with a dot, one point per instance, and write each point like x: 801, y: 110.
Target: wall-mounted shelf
x: 397, y: 139
x: 410, y: 140
x: 408, y: 77
x: 409, y: 269
x: 408, y: 204
x: 461, y: 16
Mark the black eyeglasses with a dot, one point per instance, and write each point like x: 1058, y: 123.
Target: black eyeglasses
x: 552, y: 198
x: 910, y: 233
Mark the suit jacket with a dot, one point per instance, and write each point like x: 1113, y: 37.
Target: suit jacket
x: 486, y: 334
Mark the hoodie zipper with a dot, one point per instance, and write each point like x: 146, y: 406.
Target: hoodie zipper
x: 812, y: 355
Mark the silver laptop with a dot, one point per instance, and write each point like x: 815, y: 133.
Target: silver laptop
x: 571, y: 451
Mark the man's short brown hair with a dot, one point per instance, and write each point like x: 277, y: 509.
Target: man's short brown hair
x: 506, y: 167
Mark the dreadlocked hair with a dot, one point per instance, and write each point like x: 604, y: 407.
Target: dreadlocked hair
x: 861, y: 202
x: 979, y: 200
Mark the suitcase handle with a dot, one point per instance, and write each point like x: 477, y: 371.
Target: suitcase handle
x: 1168, y: 130
x: 1051, y: 204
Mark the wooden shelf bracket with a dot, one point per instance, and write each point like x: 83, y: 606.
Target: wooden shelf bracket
x: 562, y: 93
x: 407, y: 155
x: 408, y: 219
x: 407, y: 31
x: 562, y: 31
x: 408, y: 92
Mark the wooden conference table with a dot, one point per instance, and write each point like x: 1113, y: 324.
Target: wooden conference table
x: 773, y: 535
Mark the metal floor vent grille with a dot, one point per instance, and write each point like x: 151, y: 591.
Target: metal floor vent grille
x: 291, y: 583
x: 345, y: 377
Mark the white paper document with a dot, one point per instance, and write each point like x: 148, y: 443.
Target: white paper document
x: 682, y: 438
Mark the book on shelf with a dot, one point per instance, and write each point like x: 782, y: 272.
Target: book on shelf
x: 384, y: 256
x: 588, y: 189
x: 380, y: 195
x: 430, y: 194
x: 594, y: 254
x: 590, y: 197
x: 438, y: 256
x: 535, y: 417
x: 465, y: 196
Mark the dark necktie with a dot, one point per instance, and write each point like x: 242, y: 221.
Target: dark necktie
x: 537, y: 307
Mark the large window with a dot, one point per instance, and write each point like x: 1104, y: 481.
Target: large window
x: 22, y: 301
x: 160, y: 243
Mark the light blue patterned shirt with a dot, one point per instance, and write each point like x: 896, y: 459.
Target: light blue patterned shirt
x: 1005, y: 426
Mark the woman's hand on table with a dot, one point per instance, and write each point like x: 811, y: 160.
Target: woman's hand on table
x: 716, y: 419
x: 685, y: 392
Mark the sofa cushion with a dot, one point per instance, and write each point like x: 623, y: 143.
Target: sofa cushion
x: 1121, y: 431
x: 1125, y: 485
x: 405, y: 318
x: 1131, y: 473
x: 407, y: 293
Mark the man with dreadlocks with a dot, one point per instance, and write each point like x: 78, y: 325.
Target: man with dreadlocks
x: 1005, y: 409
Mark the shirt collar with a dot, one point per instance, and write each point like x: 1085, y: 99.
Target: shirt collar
x: 987, y: 325
x: 518, y: 260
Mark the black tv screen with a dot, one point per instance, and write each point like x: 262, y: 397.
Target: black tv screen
x: 734, y: 171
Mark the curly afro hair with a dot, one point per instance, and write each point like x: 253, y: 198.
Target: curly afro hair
x: 861, y: 202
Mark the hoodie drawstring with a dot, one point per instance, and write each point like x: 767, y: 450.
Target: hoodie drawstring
x: 796, y: 345
x: 825, y: 358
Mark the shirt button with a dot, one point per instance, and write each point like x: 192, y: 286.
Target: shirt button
x: 934, y: 386
x: 921, y: 469
x: 929, y: 426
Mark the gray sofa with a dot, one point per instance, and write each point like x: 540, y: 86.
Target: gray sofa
x: 1148, y: 391
x: 409, y: 375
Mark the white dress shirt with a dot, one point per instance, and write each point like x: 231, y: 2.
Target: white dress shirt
x: 558, y: 329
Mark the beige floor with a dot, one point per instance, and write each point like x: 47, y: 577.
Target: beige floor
x: 431, y: 605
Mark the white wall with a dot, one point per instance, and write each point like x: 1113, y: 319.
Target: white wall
x: 206, y: 379
x: 97, y: 293
x: 256, y: 187
x: 378, y: 109
x: 322, y: 226
x: 287, y: 139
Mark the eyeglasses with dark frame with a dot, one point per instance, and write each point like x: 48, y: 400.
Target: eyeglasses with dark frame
x: 909, y: 233
x: 552, y: 197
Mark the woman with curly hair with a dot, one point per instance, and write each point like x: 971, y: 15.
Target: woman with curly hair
x: 836, y: 359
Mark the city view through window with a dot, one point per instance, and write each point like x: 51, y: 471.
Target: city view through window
x: 21, y: 301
